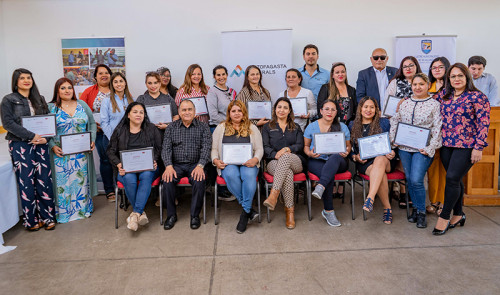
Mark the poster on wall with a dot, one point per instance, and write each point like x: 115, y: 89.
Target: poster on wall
x: 269, y: 50
x: 81, y: 56
x: 425, y: 49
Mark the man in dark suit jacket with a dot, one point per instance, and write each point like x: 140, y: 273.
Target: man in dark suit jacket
x: 373, y: 81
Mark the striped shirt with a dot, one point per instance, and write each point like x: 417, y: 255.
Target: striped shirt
x: 181, y: 95
x: 249, y: 94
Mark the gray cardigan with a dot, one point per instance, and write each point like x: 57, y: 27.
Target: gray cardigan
x: 217, y: 102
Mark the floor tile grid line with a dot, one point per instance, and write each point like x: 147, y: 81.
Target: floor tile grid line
x: 472, y: 208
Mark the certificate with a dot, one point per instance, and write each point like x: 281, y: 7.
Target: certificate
x: 299, y: 106
x: 200, y: 105
x: 43, y: 125
x: 236, y: 153
x: 259, y: 109
x: 390, y: 106
x: 329, y: 143
x: 137, y: 160
x: 374, y: 145
x: 75, y: 143
x: 97, y: 117
x: 159, y: 113
x: 412, y: 136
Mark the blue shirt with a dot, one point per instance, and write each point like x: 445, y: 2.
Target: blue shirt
x: 110, y: 120
x: 487, y: 84
x: 71, y: 58
x: 382, y: 82
x: 110, y: 60
x: 314, y: 82
x: 314, y: 128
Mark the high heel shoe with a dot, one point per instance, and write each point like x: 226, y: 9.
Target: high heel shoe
x: 438, y: 232
x: 461, y: 222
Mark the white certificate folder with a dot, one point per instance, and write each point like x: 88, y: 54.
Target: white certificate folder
x: 137, y: 160
x: 329, y: 143
x: 412, y: 136
x: 43, y: 125
x: 374, y: 145
x: 76, y: 143
x: 259, y: 109
x: 236, y: 153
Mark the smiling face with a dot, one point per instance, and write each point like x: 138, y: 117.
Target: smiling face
x: 66, y: 91
x: 102, y: 76
x: 119, y: 84
x: 368, y: 110
x: 254, y: 77
x: 187, y: 111
x: 196, y: 76
x: 458, y: 80
x: 165, y: 78
x: 438, y: 70
x: 339, y: 74
x: 24, y: 82
x: 236, y: 114
x: 153, y: 85
x: 282, y: 110
x: 409, y: 69
x: 221, y: 77
x: 311, y: 56
x: 329, y: 111
x: 136, y: 115
x: 420, y: 88
x: 292, y: 79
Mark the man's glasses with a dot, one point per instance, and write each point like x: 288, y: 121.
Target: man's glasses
x: 377, y: 57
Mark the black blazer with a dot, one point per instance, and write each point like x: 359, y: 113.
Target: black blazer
x: 367, y: 85
x: 324, y: 92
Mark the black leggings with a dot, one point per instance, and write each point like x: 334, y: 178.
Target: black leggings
x: 456, y: 162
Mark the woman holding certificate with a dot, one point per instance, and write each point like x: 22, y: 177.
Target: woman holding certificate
x: 29, y: 150
x: 254, y: 91
x: 219, y: 97
x: 283, y: 145
x: 328, y: 156
x: 194, y: 87
x: 304, y: 98
x: 132, y: 133
x: 466, y: 120
x: 367, y: 124
x: 74, y: 173
x: 236, y: 152
x: 416, y: 151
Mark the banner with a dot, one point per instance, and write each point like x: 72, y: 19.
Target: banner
x: 269, y: 50
x: 425, y: 49
x: 81, y: 55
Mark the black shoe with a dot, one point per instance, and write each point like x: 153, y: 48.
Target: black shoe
x: 195, y: 222
x: 242, y: 224
x: 226, y: 197
x: 413, y: 216
x: 461, y: 222
x: 170, y: 222
x: 253, y: 215
x: 402, y: 201
x: 421, y: 222
x: 438, y: 232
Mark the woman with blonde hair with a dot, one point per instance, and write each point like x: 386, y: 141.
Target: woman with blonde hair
x: 193, y: 86
x: 240, y: 179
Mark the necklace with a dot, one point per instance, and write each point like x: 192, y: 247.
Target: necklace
x: 366, y: 127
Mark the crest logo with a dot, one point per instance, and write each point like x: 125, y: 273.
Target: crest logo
x: 426, y: 46
x: 238, y: 71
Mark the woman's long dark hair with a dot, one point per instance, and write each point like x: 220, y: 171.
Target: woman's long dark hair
x: 469, y: 84
x: 56, y: 99
x: 336, y: 120
x: 446, y: 64
x: 124, y: 125
x: 37, y: 101
x: 289, y: 119
x: 172, y: 90
x: 357, y: 125
x: 400, y: 75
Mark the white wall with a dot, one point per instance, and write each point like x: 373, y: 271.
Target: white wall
x: 178, y: 33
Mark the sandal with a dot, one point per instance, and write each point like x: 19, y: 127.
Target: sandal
x: 111, y: 197
x: 50, y: 226
x: 368, y: 206
x: 387, y: 218
x: 34, y: 228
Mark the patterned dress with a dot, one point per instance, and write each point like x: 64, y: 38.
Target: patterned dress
x: 73, y: 199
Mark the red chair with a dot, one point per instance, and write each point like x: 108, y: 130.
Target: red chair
x: 395, y: 176
x: 344, y: 177
x: 121, y: 189
x: 185, y: 182
x: 220, y: 181
x: 297, y: 179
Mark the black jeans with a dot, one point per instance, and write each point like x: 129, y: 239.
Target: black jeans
x: 326, y: 171
x: 456, y: 162
x: 184, y: 170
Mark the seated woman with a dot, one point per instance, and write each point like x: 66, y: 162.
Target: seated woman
x: 240, y: 179
x: 423, y: 111
x: 326, y: 166
x: 283, y: 145
x: 76, y: 170
x: 368, y: 122
x: 134, y: 132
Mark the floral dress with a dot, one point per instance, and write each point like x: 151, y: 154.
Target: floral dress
x: 73, y: 199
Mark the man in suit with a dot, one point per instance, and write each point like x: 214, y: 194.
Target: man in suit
x: 373, y: 81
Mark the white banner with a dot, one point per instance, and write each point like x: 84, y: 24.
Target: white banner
x: 270, y: 50
x: 425, y: 49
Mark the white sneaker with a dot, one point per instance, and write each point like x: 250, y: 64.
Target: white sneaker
x: 143, y: 219
x: 132, y: 221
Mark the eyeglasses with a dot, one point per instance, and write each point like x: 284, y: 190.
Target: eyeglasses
x: 459, y: 76
x: 437, y: 68
x: 408, y: 66
x: 329, y: 110
x: 377, y: 57
x: 165, y: 76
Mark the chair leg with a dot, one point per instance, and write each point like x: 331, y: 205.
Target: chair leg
x: 407, y: 197
x: 205, y: 207
x: 364, y: 199
x: 258, y: 200
x: 215, y: 205
x: 352, y: 199
x: 116, y: 207
x: 266, y: 186
x: 160, y: 195
x: 307, y: 198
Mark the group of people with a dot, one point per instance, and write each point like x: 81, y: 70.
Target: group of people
x: 55, y: 187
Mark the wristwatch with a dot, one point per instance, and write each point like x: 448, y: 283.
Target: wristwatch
x: 201, y: 166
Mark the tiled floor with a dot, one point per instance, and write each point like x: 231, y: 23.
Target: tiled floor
x: 360, y: 257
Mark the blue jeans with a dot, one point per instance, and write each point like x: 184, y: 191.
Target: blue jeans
x: 415, y: 166
x: 138, y: 193
x: 101, y: 143
x: 326, y: 171
x: 241, y: 182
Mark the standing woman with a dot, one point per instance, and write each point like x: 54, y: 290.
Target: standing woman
x: 219, y: 97
x: 423, y: 111
x: 326, y: 166
x: 466, y: 120
x: 294, y: 90
x: 74, y: 178
x: 253, y: 90
x: 240, y: 179
x: 400, y: 85
x: 368, y: 122
x: 94, y: 96
x: 135, y: 132
x: 436, y: 172
x: 338, y: 89
x: 29, y: 151
x: 166, y: 82
x: 193, y: 86
x: 283, y: 146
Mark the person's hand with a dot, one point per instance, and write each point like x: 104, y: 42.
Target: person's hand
x: 312, y: 154
x: 423, y: 152
x: 155, y: 165
x: 251, y: 163
x: 175, y: 118
x: 476, y: 156
x: 305, y: 116
x: 169, y: 174
x: 281, y: 152
x: 343, y: 155
x: 99, y: 129
x: 57, y: 150
x: 198, y: 173
x: 357, y: 158
x: 219, y: 164
x: 121, y: 171
x: 36, y: 139
x: 92, y: 146
x: 161, y: 126
x: 391, y: 155
x: 262, y: 121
